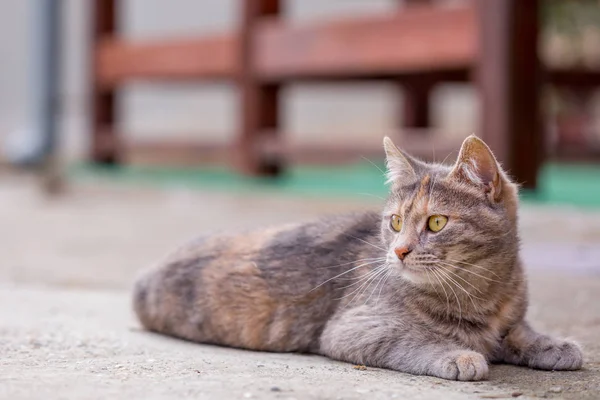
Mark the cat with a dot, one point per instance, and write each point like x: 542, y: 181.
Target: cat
x: 433, y: 285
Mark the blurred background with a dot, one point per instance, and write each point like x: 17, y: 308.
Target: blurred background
x: 264, y: 88
x: 128, y: 127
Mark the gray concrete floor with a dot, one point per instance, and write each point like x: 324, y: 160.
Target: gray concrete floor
x: 66, y: 330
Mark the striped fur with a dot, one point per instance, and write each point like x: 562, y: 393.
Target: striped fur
x: 335, y: 286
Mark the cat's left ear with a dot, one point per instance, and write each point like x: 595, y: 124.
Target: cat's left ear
x: 477, y: 165
x: 401, y: 167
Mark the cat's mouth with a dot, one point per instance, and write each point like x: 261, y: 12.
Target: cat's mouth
x: 415, y: 272
x: 416, y: 268
x: 419, y: 268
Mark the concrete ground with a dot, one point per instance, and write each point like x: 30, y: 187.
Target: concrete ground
x: 67, y: 332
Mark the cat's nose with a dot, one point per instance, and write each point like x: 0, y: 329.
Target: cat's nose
x: 402, y: 252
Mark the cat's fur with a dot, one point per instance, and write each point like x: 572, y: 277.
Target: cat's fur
x: 335, y: 286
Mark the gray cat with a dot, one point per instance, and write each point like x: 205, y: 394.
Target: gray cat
x: 433, y: 285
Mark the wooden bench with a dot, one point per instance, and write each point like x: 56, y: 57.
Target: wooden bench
x: 490, y: 42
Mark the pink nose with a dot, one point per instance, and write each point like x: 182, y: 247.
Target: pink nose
x: 402, y: 252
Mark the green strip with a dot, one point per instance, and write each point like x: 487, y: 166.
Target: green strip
x: 577, y: 185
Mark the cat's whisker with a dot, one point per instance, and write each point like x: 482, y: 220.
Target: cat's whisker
x: 459, y: 286
x: 475, y: 266
x: 372, y: 195
x: 378, y: 283
x: 437, y: 176
x: 374, y: 259
x: 365, y: 264
x: 373, y: 164
x: 444, y: 289
x: 472, y: 272
x: 342, y: 274
x: 454, y: 281
x: 356, y: 291
x: 371, y: 281
x: 457, y: 276
x: 390, y: 273
x: 362, y: 277
x: 471, y: 296
x: 431, y: 283
x: 455, y: 295
x: 369, y: 243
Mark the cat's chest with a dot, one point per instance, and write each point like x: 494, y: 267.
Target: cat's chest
x: 487, y: 335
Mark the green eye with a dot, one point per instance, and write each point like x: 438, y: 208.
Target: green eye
x: 437, y: 222
x: 396, y: 223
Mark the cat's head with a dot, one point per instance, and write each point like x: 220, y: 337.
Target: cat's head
x: 450, y: 222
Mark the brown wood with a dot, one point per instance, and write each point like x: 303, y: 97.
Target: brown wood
x: 104, y: 146
x: 259, y: 101
x: 417, y: 91
x: 374, y: 46
x: 584, y: 78
x: 416, y: 110
x: 209, y: 58
x: 508, y: 74
x: 193, y: 153
x: 119, y: 61
x: 420, y: 45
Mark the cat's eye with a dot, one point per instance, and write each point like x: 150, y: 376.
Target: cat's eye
x: 437, y: 222
x: 396, y: 223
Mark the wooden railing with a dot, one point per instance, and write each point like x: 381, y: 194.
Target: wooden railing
x: 490, y: 42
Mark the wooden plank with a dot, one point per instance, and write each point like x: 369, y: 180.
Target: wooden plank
x: 414, y: 40
x: 207, y: 58
x: 424, y: 143
x: 368, y: 47
x: 259, y: 101
x: 193, y: 153
x: 574, y: 77
x: 509, y: 80
x: 104, y: 142
x: 417, y: 92
x: 214, y: 59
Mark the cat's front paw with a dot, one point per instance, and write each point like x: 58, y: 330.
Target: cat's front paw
x: 554, y: 354
x: 462, y: 365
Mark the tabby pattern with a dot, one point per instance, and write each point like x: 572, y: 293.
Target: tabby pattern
x: 362, y: 289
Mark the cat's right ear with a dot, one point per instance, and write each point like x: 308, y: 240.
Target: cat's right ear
x: 400, y: 166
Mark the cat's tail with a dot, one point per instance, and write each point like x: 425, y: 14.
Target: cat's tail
x: 168, y: 300
x: 144, y: 300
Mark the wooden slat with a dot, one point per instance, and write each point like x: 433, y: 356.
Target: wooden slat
x: 414, y: 40
x: 207, y: 58
x: 416, y: 105
x: 367, y: 47
x: 177, y: 153
x: 509, y: 78
x: 105, y: 147
x: 259, y: 102
x: 423, y: 143
x: 574, y: 77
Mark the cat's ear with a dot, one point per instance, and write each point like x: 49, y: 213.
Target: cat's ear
x: 477, y: 165
x: 400, y: 166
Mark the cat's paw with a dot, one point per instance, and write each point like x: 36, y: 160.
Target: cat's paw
x: 556, y: 354
x: 462, y: 365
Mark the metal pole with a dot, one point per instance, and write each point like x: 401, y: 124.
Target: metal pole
x: 45, y: 86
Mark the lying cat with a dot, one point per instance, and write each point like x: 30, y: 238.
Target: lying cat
x: 433, y: 285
